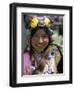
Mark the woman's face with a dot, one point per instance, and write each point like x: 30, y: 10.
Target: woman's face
x: 39, y: 40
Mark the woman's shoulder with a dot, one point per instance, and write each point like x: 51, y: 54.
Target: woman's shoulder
x: 51, y: 48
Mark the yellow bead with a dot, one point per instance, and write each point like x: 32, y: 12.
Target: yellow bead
x: 34, y: 22
x: 47, y: 22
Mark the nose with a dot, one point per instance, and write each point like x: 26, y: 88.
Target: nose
x: 40, y: 40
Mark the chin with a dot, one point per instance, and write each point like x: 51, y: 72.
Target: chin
x: 39, y: 50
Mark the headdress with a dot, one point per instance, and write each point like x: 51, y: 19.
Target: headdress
x: 40, y: 22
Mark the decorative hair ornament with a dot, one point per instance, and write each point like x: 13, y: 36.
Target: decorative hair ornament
x: 34, y: 22
x: 41, y: 22
x: 47, y: 22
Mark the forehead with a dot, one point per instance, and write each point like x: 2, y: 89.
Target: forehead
x: 40, y: 32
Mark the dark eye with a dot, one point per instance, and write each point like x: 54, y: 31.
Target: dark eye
x: 35, y: 36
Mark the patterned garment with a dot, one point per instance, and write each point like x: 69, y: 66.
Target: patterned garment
x: 45, y: 63
x: 51, y: 57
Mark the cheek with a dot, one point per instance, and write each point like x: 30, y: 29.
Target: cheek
x: 33, y: 41
x: 46, y: 40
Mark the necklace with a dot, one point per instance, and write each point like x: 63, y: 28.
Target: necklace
x: 38, y: 57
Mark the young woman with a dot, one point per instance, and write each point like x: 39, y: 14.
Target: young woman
x: 43, y: 56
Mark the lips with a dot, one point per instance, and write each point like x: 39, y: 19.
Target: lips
x: 39, y: 45
x: 42, y: 45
